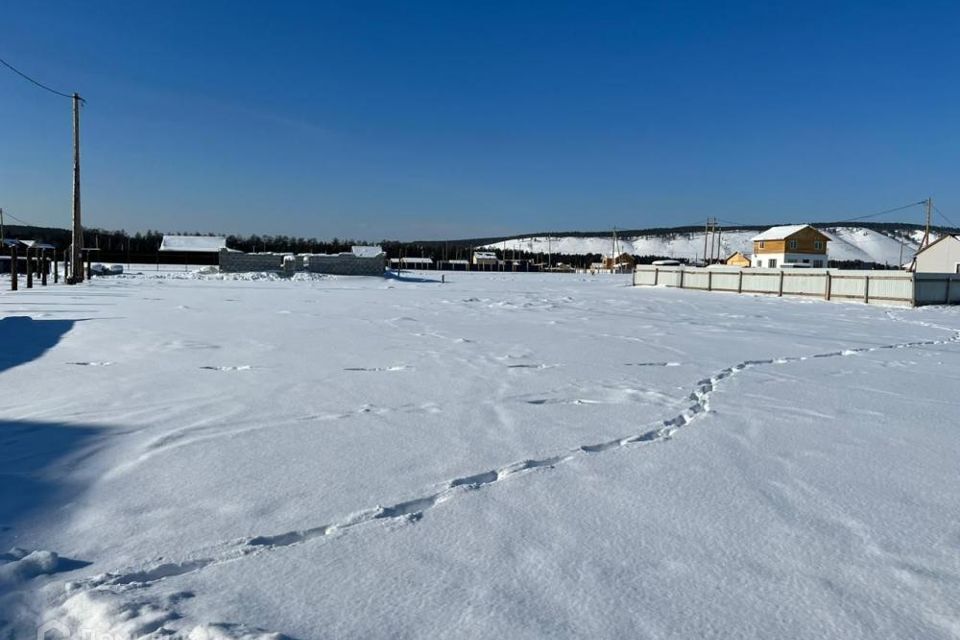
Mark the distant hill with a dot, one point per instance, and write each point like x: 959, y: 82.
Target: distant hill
x: 880, y: 243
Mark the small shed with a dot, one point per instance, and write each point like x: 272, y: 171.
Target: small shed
x: 738, y: 259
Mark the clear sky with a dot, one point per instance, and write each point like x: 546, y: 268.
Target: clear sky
x: 455, y: 119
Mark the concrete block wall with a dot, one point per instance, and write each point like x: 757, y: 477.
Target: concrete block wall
x: 235, y: 262
x: 345, y: 264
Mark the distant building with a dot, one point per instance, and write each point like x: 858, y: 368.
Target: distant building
x: 623, y: 262
x: 412, y: 262
x: 193, y: 244
x: 940, y: 256
x: 485, y: 258
x: 793, y: 244
x: 365, y: 251
x: 738, y: 259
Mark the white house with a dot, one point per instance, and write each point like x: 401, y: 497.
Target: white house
x: 941, y: 256
x: 797, y: 244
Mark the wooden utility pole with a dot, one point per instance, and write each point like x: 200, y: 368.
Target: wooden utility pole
x: 2, y: 236
x: 706, y: 230
x: 76, y: 259
x: 926, y: 231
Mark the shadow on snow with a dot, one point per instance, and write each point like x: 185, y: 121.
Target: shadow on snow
x: 25, y: 339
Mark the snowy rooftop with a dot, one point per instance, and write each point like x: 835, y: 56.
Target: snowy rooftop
x: 367, y: 251
x: 779, y: 233
x: 199, y: 244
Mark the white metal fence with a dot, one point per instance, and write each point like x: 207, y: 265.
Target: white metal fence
x: 871, y: 287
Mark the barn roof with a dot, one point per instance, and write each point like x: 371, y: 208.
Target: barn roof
x: 197, y: 244
x: 783, y: 232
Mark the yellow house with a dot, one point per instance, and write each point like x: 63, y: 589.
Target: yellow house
x: 738, y: 260
x: 793, y: 244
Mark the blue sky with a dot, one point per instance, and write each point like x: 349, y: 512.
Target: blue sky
x: 456, y: 119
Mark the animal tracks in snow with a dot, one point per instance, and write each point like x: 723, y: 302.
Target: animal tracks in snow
x: 413, y: 509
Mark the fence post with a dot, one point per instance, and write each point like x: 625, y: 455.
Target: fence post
x: 681, y: 277
x: 827, y: 287
x: 949, y: 280
x: 56, y: 268
x: 780, y: 291
x: 29, y: 271
x: 656, y: 275
x: 866, y: 289
x: 740, y: 282
x: 14, y: 260
x: 43, y: 267
x: 709, y: 280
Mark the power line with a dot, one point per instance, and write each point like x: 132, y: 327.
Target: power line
x: 39, y: 84
x: 20, y: 220
x: 880, y: 213
x: 863, y: 217
x: 949, y: 221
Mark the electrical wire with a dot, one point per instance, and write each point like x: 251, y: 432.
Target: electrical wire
x: 943, y: 215
x: 39, y: 84
x: 880, y: 213
x: 20, y: 220
x: 863, y: 217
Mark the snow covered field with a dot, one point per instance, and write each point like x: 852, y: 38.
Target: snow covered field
x: 500, y: 456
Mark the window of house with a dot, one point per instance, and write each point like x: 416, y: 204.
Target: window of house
x: 772, y: 263
x: 793, y: 244
x: 761, y: 244
x: 818, y: 244
x: 818, y: 263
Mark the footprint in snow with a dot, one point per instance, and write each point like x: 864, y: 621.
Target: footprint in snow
x: 243, y: 367
x: 91, y: 364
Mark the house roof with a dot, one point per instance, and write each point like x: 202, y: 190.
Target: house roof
x: 943, y: 237
x: 363, y: 251
x: 198, y: 244
x: 784, y: 232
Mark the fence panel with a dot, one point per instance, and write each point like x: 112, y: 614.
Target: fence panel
x: 876, y: 287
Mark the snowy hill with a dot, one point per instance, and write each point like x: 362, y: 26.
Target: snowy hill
x: 847, y: 243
